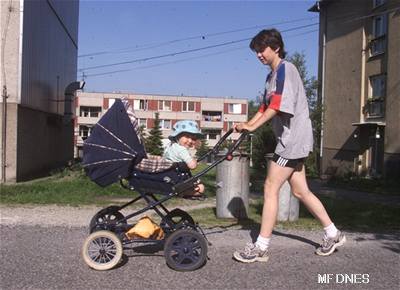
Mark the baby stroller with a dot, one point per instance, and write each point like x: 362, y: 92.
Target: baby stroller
x: 114, y: 152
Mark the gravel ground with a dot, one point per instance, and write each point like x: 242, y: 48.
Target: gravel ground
x: 40, y: 249
x: 69, y: 216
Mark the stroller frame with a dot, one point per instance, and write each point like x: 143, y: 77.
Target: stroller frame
x: 185, y: 244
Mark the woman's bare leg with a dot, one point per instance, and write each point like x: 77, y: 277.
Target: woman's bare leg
x: 299, y: 187
x: 276, y: 176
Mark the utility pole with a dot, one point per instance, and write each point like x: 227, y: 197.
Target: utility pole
x: 4, y: 136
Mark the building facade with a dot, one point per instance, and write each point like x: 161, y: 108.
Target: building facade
x: 359, y: 74
x: 39, y: 60
x: 215, y: 116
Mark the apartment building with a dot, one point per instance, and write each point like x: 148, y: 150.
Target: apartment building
x: 39, y: 48
x: 215, y: 116
x: 359, y: 74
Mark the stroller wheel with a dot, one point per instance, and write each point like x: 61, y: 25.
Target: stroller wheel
x: 178, y: 218
x: 185, y: 250
x: 108, y: 216
x: 102, y: 250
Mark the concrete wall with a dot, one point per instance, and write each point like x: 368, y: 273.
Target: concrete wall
x: 39, y: 155
x: 345, y: 86
x: 49, y: 58
x: 40, y: 61
x: 342, y: 87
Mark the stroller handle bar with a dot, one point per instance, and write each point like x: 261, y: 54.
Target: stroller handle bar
x: 187, y: 184
x: 216, y: 149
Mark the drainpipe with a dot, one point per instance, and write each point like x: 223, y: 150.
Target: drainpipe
x: 69, y: 94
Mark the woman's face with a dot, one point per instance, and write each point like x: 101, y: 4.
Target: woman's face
x: 268, y: 56
x: 187, y: 140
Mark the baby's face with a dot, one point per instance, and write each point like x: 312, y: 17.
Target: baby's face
x: 187, y: 140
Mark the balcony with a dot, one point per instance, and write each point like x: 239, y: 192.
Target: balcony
x: 377, y: 46
x: 375, y: 108
x: 211, y: 119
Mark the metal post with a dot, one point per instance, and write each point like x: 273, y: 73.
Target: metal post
x: 4, y: 136
x: 251, y: 150
x: 233, y: 187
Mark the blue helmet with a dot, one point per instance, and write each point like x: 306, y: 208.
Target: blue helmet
x: 186, y: 126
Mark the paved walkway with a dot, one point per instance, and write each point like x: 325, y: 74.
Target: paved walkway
x: 320, y: 188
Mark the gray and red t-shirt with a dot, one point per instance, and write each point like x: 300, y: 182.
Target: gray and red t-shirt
x: 284, y: 92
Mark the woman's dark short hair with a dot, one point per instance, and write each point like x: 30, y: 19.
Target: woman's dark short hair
x: 268, y: 37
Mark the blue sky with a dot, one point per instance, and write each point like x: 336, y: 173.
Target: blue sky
x: 209, y: 39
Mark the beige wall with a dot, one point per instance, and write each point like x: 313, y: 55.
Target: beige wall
x: 12, y: 51
x: 345, y: 85
x: 11, y: 81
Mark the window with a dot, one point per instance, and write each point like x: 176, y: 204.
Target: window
x: 230, y: 124
x: 110, y: 102
x: 165, y: 124
x: 91, y: 112
x: 235, y: 108
x: 376, y: 96
x: 212, y: 134
x: 143, y: 123
x: 378, y: 41
x: 187, y: 106
x: 84, y: 131
x: 164, y: 105
x: 377, y: 87
x: 377, y: 3
x: 140, y: 105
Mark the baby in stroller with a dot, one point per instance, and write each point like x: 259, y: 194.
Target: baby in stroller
x: 185, y: 136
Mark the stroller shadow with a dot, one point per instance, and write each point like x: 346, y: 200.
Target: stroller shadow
x: 237, y: 211
x: 146, y: 249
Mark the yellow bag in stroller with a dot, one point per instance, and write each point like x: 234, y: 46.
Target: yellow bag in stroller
x: 145, y: 228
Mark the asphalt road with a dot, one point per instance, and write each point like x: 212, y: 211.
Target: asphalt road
x: 37, y: 257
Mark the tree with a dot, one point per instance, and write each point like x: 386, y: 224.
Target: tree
x: 310, y: 86
x: 203, y: 148
x: 263, y: 141
x: 154, y: 141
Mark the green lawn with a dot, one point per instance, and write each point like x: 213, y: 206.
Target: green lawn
x: 73, y: 187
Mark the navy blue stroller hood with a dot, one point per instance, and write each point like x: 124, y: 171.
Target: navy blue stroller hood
x: 113, y: 147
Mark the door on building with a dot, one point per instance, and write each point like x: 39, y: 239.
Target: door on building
x: 376, y: 152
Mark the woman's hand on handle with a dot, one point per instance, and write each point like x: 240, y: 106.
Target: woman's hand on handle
x: 241, y: 126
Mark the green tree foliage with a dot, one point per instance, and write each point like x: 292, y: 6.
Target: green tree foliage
x: 310, y: 86
x: 262, y: 141
x: 203, y: 149
x: 153, y: 142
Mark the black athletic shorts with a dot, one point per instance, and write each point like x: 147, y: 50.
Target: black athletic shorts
x: 292, y: 163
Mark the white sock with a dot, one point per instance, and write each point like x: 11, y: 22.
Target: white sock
x: 331, y: 231
x: 262, y: 242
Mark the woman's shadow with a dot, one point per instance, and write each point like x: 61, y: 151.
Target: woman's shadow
x: 238, y: 210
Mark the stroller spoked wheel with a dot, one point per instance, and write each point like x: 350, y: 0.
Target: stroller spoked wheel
x: 102, y: 250
x: 105, y: 218
x: 178, y: 218
x: 185, y: 250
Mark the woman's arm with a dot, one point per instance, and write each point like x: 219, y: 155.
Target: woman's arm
x: 264, y: 117
x: 255, y: 118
